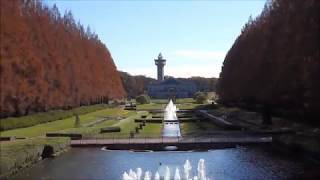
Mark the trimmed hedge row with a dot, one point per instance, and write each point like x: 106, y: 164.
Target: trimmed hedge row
x: 71, y: 135
x: 44, y: 117
x: 110, y: 129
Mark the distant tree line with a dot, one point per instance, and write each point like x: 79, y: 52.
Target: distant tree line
x: 50, y: 61
x: 136, y: 85
x: 275, y: 61
x: 203, y: 84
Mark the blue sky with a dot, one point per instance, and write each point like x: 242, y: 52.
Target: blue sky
x: 193, y: 36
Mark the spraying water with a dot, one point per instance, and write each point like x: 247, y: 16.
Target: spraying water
x: 167, y: 174
x: 125, y: 176
x: 170, y: 111
x: 157, y: 176
x: 187, y: 174
x: 171, y: 127
x: 177, y: 175
x: 147, y: 176
x: 139, y: 173
x: 133, y: 174
x: 187, y: 168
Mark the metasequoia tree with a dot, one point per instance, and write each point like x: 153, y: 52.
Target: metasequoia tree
x: 49, y: 61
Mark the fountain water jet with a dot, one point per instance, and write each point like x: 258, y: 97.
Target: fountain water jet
x: 177, y: 175
x: 201, y: 173
x: 187, y: 168
x: 147, y: 176
x: 132, y: 174
x: 139, y: 173
x: 125, y: 176
x: 167, y: 174
x: 157, y: 176
x: 171, y: 127
x: 201, y: 170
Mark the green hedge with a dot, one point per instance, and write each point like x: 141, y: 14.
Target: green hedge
x: 71, y: 135
x: 34, y: 119
x: 201, y: 97
x: 110, y: 129
x: 143, y: 99
x: 21, y: 153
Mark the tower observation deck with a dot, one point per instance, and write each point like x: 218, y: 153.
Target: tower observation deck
x: 160, y: 63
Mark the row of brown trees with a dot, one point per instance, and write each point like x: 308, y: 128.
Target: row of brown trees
x: 49, y: 61
x: 276, y: 60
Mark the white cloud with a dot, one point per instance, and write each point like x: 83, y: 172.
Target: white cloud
x: 200, y: 54
x: 202, y: 63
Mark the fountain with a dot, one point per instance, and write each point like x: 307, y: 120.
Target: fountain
x: 139, y: 173
x: 171, y: 126
x: 201, y: 170
x: 201, y: 173
x: 133, y: 174
x: 187, y: 168
x: 177, y: 175
x: 146, y: 176
x: 167, y: 174
x: 157, y: 176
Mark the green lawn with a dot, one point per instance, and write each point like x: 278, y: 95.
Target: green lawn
x: 43, y: 117
x: 151, y: 130
x: 185, y: 100
x: 159, y: 101
x: 188, y: 106
x: 197, y: 128
x: 127, y: 124
x: 17, y: 154
x: 151, y: 106
x: 65, y: 124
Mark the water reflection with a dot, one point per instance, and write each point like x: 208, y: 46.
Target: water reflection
x: 93, y: 163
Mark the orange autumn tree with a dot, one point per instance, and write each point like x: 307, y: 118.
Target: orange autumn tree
x: 276, y: 61
x: 48, y: 61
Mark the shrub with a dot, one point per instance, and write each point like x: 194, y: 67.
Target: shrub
x: 143, y: 99
x: 196, y: 95
x: 201, y: 98
x: 110, y: 129
x: 77, y: 121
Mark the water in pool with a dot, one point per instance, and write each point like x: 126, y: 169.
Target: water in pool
x: 234, y: 163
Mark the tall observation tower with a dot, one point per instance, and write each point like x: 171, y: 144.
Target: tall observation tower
x: 160, y: 62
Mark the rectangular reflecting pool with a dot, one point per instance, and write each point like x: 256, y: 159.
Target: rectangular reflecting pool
x: 235, y: 163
